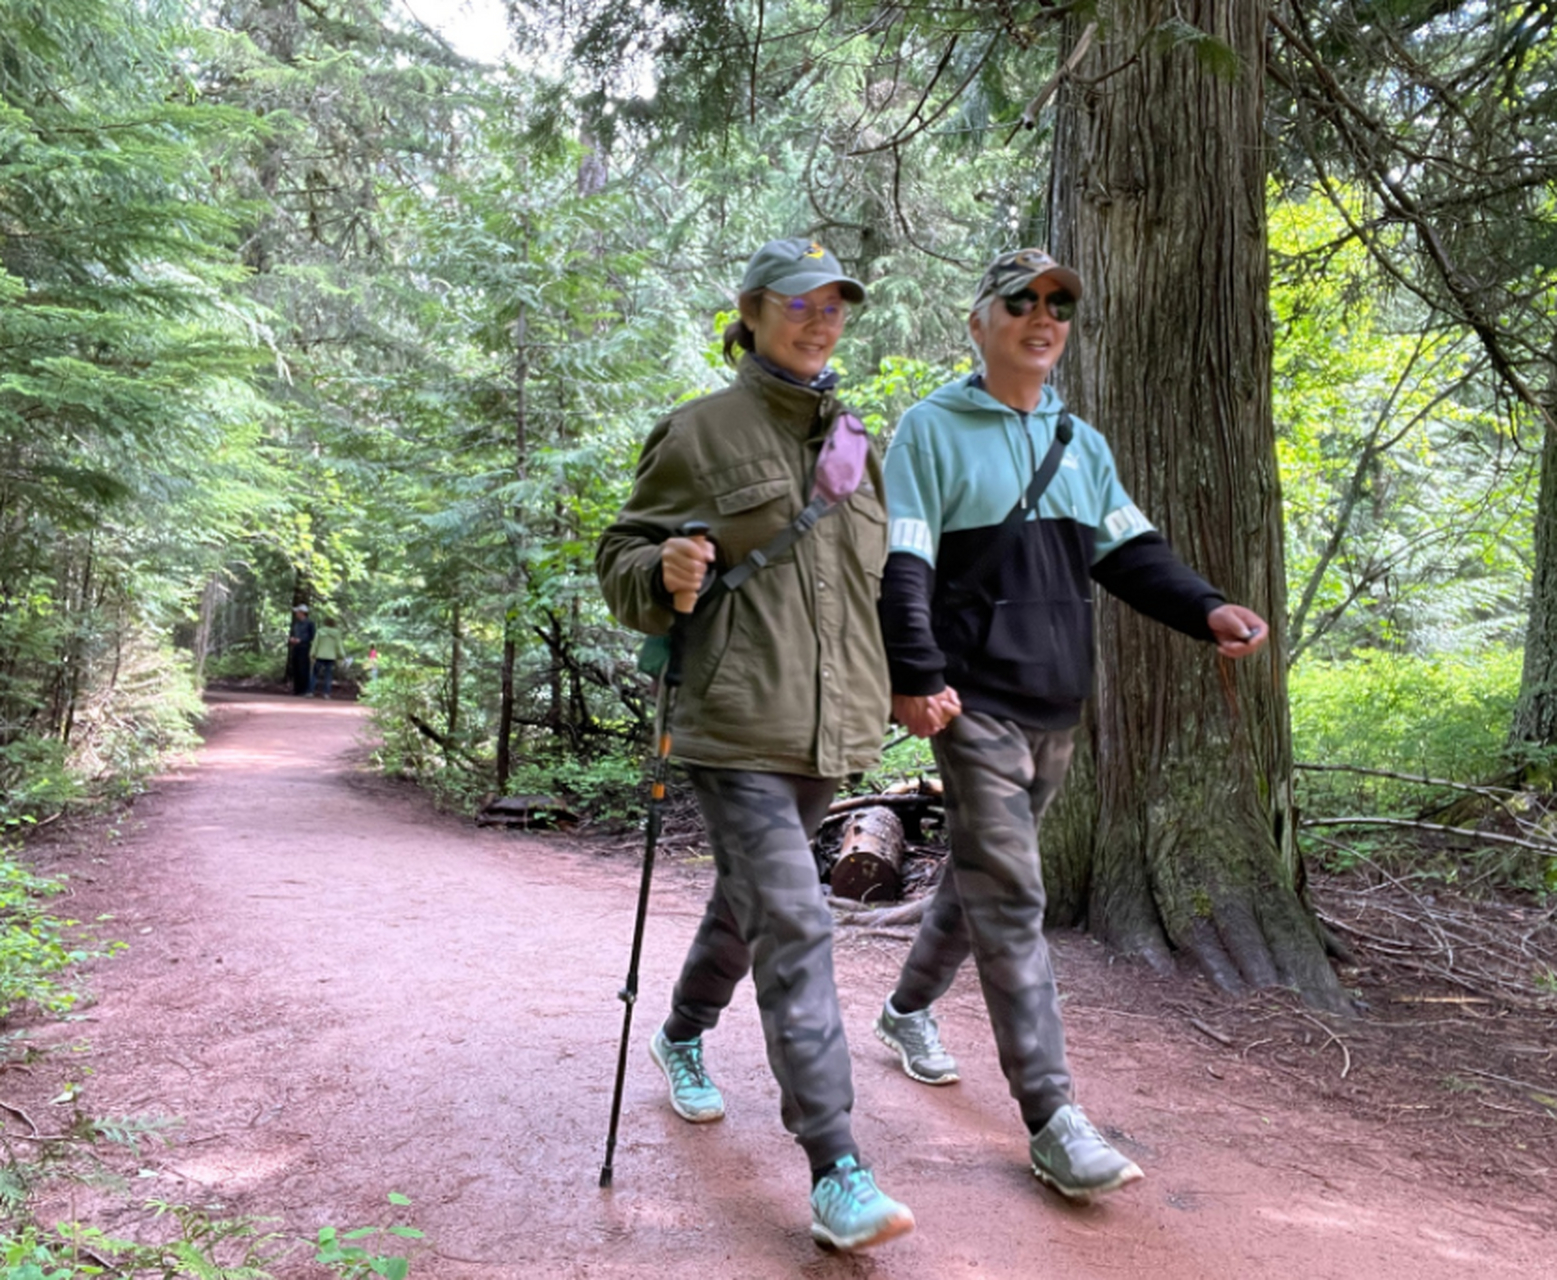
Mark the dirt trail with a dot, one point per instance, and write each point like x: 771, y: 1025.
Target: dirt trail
x: 345, y: 994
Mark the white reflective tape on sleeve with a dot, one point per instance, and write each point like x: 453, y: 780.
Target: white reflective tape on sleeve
x: 911, y: 535
x: 1125, y: 523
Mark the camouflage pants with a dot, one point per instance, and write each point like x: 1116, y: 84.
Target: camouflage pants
x: 999, y: 778
x: 767, y: 916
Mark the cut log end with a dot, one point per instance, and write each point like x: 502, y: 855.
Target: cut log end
x: 869, y: 865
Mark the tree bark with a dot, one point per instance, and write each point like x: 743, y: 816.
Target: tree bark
x: 1535, y: 715
x: 210, y: 600
x: 456, y: 654
x: 505, y: 711
x: 505, y: 715
x: 1158, y: 200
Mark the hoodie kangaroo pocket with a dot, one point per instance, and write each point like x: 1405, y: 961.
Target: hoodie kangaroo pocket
x: 1049, y: 641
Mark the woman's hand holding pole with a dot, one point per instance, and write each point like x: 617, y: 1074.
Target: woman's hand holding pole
x: 684, y: 561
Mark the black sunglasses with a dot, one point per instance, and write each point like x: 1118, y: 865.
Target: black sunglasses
x: 1060, y: 305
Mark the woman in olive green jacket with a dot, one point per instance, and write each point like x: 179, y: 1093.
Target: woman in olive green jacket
x: 785, y: 692
x: 327, y: 649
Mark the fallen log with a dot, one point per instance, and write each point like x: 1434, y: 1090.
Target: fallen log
x: 886, y: 800
x: 913, y: 802
x: 527, y: 812
x: 916, y: 787
x: 869, y: 865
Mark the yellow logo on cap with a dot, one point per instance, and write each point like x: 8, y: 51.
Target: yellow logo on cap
x: 815, y: 251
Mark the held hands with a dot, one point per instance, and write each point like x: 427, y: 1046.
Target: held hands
x: 925, y: 717
x: 1238, y: 631
x: 683, y: 563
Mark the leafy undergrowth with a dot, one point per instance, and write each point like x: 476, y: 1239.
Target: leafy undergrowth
x: 195, y: 1244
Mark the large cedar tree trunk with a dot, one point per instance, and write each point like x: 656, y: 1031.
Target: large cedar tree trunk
x: 1535, y: 716
x: 1186, y: 838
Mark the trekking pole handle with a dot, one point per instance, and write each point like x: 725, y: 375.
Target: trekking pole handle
x: 685, y: 602
x: 697, y: 530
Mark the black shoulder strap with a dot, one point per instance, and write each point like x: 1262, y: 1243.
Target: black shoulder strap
x: 790, y: 534
x: 971, y: 579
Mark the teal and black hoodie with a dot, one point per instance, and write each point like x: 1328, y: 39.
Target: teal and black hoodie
x: 1019, y: 643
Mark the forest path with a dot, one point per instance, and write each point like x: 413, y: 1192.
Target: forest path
x: 345, y: 994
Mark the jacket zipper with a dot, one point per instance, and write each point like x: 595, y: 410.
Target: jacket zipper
x: 1032, y: 458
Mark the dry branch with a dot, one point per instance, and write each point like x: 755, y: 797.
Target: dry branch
x: 1495, y: 953
x: 1548, y: 847
x: 1420, y: 779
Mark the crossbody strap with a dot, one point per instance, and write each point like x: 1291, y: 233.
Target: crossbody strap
x: 839, y: 471
x: 786, y: 537
x: 999, y: 544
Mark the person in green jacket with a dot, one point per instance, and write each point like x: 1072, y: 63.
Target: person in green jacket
x: 785, y: 692
x: 327, y: 649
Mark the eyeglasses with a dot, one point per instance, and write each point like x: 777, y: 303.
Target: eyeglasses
x: 1059, y: 304
x: 799, y: 311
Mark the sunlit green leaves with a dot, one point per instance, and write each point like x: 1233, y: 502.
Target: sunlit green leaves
x: 1407, y: 502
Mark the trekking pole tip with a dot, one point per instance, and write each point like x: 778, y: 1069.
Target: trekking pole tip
x: 605, y: 1177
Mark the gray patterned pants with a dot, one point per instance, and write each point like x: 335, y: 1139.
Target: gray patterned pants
x: 767, y: 916
x: 999, y: 778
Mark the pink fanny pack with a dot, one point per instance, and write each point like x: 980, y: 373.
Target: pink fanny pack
x: 841, y: 465
x: 839, y: 469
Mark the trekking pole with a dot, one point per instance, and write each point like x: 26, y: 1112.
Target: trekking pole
x: 670, y: 681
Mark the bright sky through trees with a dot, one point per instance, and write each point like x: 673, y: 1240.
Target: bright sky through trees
x: 476, y: 28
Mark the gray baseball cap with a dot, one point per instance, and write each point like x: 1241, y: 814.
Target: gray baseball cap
x: 797, y: 266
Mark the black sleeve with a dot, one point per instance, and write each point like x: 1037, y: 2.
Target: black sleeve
x: 1148, y: 577
x: 915, y: 661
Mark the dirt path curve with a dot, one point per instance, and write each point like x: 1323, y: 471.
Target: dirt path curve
x: 345, y: 994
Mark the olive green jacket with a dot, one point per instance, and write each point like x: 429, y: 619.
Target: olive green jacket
x: 327, y: 645
x: 788, y: 674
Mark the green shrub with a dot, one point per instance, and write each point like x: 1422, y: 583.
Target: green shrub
x: 35, y: 780
x: 200, y: 1246
x: 611, y: 788
x: 1441, y: 717
x: 246, y: 664
x: 1445, y: 718
x: 34, y: 947
x: 402, y: 695
x: 904, y: 759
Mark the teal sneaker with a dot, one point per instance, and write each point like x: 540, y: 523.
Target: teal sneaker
x: 849, y: 1211
x: 917, y: 1039
x: 692, y: 1094
x: 1072, y: 1157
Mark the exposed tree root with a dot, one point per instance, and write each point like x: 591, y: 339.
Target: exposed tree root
x: 904, y: 913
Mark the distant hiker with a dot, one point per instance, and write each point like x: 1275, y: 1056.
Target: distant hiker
x: 785, y: 694
x: 300, y: 640
x: 372, y: 662
x: 327, y: 649
x: 1005, y: 510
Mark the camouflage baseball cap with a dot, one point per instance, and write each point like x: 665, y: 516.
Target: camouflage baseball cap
x: 1012, y: 272
x: 797, y: 266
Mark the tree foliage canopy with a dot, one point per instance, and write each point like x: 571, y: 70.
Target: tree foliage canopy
x: 300, y: 304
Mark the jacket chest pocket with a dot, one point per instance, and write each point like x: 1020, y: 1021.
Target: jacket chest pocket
x: 753, y: 502
x: 868, y: 532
